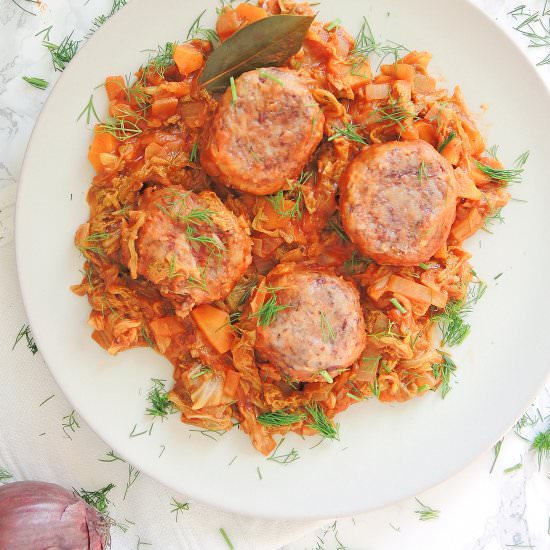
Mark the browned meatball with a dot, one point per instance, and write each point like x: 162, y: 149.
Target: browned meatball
x: 398, y: 202
x: 190, y: 246
x: 266, y: 136
x: 321, y: 328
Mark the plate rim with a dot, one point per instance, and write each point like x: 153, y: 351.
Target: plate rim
x: 281, y: 516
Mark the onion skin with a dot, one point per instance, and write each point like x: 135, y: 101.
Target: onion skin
x: 35, y: 515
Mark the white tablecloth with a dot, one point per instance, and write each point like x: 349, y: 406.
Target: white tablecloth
x: 478, y: 510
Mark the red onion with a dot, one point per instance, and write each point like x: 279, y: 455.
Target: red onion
x: 35, y: 515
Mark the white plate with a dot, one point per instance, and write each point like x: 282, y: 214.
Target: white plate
x: 387, y: 452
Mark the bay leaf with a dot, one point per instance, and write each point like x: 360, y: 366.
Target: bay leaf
x: 267, y: 42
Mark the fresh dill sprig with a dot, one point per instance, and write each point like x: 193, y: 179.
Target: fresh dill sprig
x: 120, y: 128
x: 25, y: 332
x: 492, y: 218
x: 535, y: 27
x: 280, y: 418
x: 70, y: 422
x: 321, y: 423
x: 226, y: 539
x: 446, y: 141
x: 526, y: 421
x: 100, y: 20
x: 111, y: 457
x: 375, y: 387
x: 178, y: 507
x: 451, y: 321
x: 89, y: 110
x: 294, y: 193
x: 327, y: 330
x: 198, y: 31
x: 193, y: 155
x: 214, y: 246
x: 36, y: 82
x: 201, y: 283
x: 61, y: 53
x: 394, y: 113
x: 270, y: 309
x: 210, y: 434
x: 444, y: 371
x: 349, y: 132
x: 4, y: 476
x: 541, y: 445
x: 496, y: 453
x: 284, y: 458
x: 134, y: 434
x: 160, y: 404
x: 160, y: 59
x: 503, y: 176
x: 426, y: 513
x: 133, y: 474
x: 96, y: 499
x: 197, y: 216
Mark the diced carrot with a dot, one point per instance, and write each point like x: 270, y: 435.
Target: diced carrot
x: 114, y: 86
x: 410, y: 134
x: 214, y: 324
x: 102, y: 143
x: 250, y: 13
x: 399, y: 71
x: 228, y: 23
x: 421, y: 59
x: 231, y: 384
x: 164, y: 108
x: 426, y: 131
x: 176, y: 89
x: 188, y: 59
x: 416, y: 292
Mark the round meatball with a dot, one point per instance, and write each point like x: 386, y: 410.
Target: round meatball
x: 321, y: 327
x: 398, y: 202
x: 264, y: 134
x: 190, y: 245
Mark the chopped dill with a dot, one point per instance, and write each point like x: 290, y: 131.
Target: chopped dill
x: 286, y: 458
x: 375, y: 388
x: 234, y: 96
x: 541, y: 445
x: 210, y: 434
x: 492, y: 218
x: 96, y: 499
x: 426, y: 513
x: 496, y: 452
x: 178, y: 507
x: 159, y: 60
x: 111, y: 457
x: 160, y: 404
x: 226, y: 539
x: 326, y: 376
x: 327, y: 330
x: 214, y: 246
x: 4, y: 476
x: 70, y: 422
x: 134, y: 434
x: 197, y: 216
x: 503, y: 176
x: 47, y: 399
x: 61, y: 53
x: 535, y: 27
x: 394, y: 113
x: 259, y: 473
x: 265, y: 74
x: 133, y: 474
x: 198, y: 31
x: 294, y: 193
x: 24, y: 9
x: 335, y: 225
x: 349, y: 132
x: 201, y: 371
x: 321, y: 423
x: 444, y: 371
x: 446, y: 141
x: 193, y: 155
x: 397, y: 304
x: 201, y: 283
x: 451, y: 320
x: 333, y: 25
x: 101, y: 19
x: 146, y: 337
x: 36, y: 82
x: 356, y: 264
x: 280, y: 418
x: 513, y: 468
x: 25, y: 332
x: 422, y: 172
x: 270, y: 309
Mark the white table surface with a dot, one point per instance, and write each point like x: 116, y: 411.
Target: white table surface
x: 478, y: 510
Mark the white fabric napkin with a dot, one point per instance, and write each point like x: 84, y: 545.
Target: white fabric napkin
x: 33, y: 445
